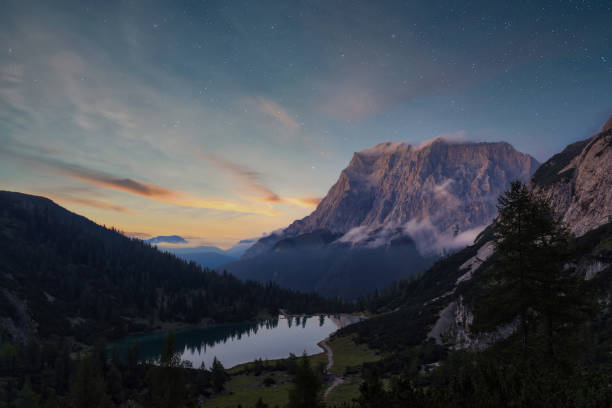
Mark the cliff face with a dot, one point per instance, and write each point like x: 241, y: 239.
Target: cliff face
x: 578, y: 182
x: 432, y: 192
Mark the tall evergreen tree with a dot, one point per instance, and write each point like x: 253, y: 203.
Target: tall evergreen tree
x: 373, y: 394
x: 167, y: 380
x: 531, y: 283
x: 306, y: 391
x: 219, y: 376
x: 87, y: 387
x: 27, y: 398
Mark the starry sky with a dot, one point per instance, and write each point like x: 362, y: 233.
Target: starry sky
x: 223, y: 120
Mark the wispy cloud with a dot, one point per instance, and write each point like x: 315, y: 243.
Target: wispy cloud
x: 131, y: 186
x: 253, y: 180
x: 250, y: 178
x: 274, y: 110
x: 306, y: 202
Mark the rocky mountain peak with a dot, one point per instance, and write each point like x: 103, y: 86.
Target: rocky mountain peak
x: 438, y: 191
x: 608, y: 125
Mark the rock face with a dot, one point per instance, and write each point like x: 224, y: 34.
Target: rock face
x: 393, y: 211
x: 433, y: 192
x: 578, y: 182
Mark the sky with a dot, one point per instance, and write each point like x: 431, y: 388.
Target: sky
x: 225, y: 120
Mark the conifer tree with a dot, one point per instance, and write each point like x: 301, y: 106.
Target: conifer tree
x: 27, y: 398
x: 87, y: 386
x: 306, y: 391
x: 373, y: 395
x: 532, y: 284
x: 219, y: 376
x: 167, y: 380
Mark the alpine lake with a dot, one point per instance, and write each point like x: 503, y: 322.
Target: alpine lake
x: 238, y: 343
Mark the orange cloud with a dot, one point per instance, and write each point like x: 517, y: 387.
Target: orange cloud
x: 250, y: 178
x: 307, y: 202
x: 128, y: 185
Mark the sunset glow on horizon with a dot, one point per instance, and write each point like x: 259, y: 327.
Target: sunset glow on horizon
x: 221, y: 121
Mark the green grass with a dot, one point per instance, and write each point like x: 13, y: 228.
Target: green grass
x: 347, y: 353
x: 345, y: 392
x: 245, y: 389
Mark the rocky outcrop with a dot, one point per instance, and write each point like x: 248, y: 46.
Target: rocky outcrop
x: 578, y: 182
x: 16, y: 322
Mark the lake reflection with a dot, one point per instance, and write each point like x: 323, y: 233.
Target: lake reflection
x: 234, y: 344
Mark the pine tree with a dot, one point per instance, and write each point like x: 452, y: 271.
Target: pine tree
x: 219, y: 376
x: 87, y: 386
x: 306, y: 391
x: 27, y: 398
x: 261, y: 404
x: 373, y: 395
x: 114, y: 384
x: 531, y: 283
x: 167, y: 382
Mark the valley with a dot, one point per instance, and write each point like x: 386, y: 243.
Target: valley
x: 306, y: 204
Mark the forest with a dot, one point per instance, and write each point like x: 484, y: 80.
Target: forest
x: 93, y: 282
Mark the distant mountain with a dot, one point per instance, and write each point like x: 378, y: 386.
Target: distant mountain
x: 63, y: 275
x: 205, y: 256
x: 210, y: 256
x: 166, y: 239
x: 426, y: 200
x: 240, y: 248
x: 440, y: 305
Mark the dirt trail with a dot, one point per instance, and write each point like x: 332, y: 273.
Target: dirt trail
x: 336, y: 381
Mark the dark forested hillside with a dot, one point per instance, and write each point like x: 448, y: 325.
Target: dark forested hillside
x: 61, y: 274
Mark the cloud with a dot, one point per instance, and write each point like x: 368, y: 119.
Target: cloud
x: 274, y: 110
x: 103, y: 205
x: 306, y: 202
x: 428, y: 238
x: 456, y: 137
x: 131, y: 186
x: 252, y: 180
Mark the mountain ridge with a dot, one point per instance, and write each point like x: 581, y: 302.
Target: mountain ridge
x: 429, y: 199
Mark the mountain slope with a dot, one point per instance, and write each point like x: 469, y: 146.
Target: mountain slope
x: 61, y: 274
x: 426, y: 200
x: 440, y: 305
x: 577, y: 182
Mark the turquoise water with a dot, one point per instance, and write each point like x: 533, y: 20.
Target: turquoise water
x: 234, y: 344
